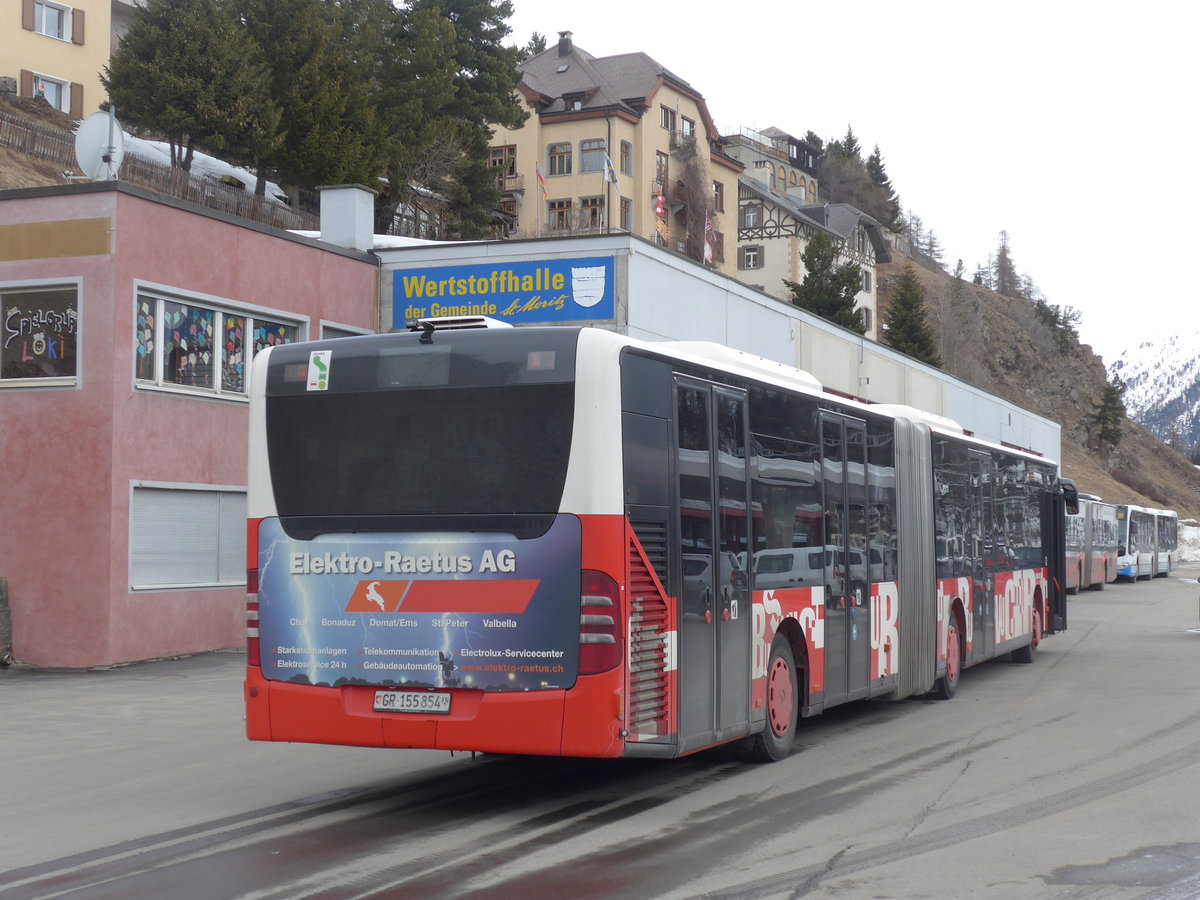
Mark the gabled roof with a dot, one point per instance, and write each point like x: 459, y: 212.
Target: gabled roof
x: 842, y: 219
x: 837, y: 219
x: 788, y: 204
x: 626, y: 82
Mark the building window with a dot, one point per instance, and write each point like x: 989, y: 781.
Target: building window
x: 186, y: 537
x: 866, y: 281
x: 330, y: 331
x: 861, y: 237
x: 200, y: 346
x: 689, y: 127
x: 559, y: 218
x: 626, y: 158
x: 866, y: 316
x: 504, y: 159
x: 560, y: 159
x: 592, y: 210
x: 52, y: 20
x: 40, y: 335
x: 751, y: 215
x: 54, y: 91
x: 718, y: 197
x: 750, y: 257
x: 666, y: 118
x: 660, y: 167
x: 717, y: 240
x: 626, y: 214
x: 591, y: 155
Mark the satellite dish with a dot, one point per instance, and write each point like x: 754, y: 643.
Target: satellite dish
x: 100, y: 146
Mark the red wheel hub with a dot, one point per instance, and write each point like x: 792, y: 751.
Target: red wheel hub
x: 779, y: 697
x: 952, y: 654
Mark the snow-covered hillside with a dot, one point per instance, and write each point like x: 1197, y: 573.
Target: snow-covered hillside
x: 1162, y: 380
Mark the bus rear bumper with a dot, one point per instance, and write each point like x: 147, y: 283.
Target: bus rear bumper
x: 531, y: 723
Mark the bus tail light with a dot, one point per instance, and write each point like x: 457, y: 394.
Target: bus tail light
x: 252, y: 653
x: 599, y: 624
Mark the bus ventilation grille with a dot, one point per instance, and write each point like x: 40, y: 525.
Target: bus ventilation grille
x: 649, y: 633
x: 653, y: 537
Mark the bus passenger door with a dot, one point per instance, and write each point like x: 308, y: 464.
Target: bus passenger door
x: 983, y: 601
x: 847, y: 575
x: 715, y: 618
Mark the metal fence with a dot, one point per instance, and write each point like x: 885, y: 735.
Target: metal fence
x: 58, y: 147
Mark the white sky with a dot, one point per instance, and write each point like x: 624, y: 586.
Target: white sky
x: 1068, y: 124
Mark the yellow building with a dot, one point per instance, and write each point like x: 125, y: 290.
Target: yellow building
x: 56, y: 51
x: 617, y: 143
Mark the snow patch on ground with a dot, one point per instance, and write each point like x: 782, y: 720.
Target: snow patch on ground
x: 1189, y: 540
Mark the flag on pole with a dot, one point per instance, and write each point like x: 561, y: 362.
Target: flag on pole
x: 541, y: 178
x: 610, y: 172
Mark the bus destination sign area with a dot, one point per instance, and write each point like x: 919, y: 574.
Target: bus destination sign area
x: 421, y: 610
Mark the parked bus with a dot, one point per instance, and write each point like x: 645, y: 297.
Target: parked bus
x: 547, y: 541
x: 1092, y: 543
x: 1148, y: 542
x: 1166, y: 546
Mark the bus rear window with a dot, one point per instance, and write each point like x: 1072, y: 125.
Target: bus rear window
x: 441, y: 451
x: 452, y: 423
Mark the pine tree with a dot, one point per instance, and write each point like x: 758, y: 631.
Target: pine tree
x: 485, y: 83
x: 850, y: 145
x: 817, y: 143
x: 828, y: 290
x: 905, y: 325
x: 879, y: 177
x: 1109, y: 412
x: 1005, y: 278
x: 535, y: 45
x: 933, y: 248
x: 322, y: 58
x: 187, y: 70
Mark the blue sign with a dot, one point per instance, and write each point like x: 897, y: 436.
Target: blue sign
x: 549, y: 290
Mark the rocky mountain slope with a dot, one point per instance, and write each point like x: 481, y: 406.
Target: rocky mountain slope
x: 998, y: 344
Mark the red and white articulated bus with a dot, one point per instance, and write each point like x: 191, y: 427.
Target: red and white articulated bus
x: 1092, y: 543
x: 563, y: 541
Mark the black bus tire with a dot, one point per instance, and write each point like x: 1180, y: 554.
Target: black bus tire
x: 775, y: 741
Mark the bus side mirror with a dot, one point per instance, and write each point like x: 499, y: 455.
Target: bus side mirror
x: 1070, y: 496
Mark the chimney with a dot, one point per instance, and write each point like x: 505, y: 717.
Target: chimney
x: 564, y: 43
x: 348, y: 216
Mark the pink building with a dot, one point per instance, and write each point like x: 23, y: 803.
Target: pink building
x: 128, y: 326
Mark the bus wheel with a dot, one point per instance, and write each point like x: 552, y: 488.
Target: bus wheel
x: 1025, y: 654
x: 775, y: 741
x: 947, y: 685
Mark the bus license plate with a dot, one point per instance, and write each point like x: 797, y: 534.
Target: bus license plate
x: 411, y: 702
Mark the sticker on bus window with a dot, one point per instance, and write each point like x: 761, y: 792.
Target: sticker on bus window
x: 318, y: 370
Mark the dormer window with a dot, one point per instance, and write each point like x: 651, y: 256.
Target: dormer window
x: 574, y: 101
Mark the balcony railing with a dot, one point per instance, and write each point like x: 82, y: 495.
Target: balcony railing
x: 510, y: 184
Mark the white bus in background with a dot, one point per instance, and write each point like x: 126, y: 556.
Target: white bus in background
x: 1148, y: 541
x: 1167, y: 542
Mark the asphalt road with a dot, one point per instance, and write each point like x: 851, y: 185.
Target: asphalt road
x: 1075, y: 777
